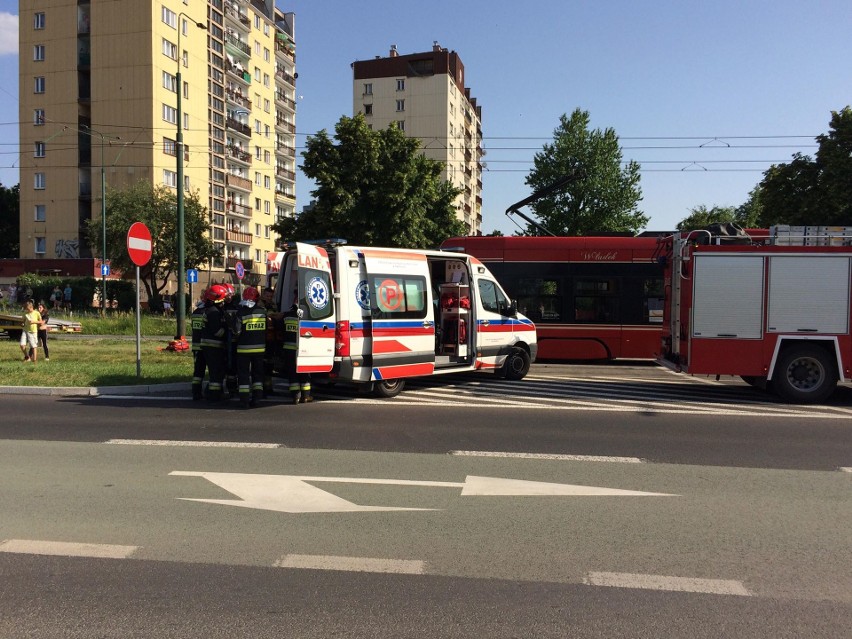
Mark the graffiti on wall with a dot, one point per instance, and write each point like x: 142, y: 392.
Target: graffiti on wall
x: 67, y: 248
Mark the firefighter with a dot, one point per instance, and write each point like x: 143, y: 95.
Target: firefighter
x: 230, y: 308
x: 274, y: 339
x: 251, y: 345
x: 300, y: 383
x: 200, y: 362
x: 214, y: 340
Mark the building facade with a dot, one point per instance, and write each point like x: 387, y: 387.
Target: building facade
x: 99, y: 104
x: 424, y: 94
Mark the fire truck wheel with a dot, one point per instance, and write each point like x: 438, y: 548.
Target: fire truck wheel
x: 517, y: 364
x: 805, y: 374
x: 388, y: 387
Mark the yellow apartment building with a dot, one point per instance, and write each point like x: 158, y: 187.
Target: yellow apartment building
x: 99, y: 99
x: 424, y: 94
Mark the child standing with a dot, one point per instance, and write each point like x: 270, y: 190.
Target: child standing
x: 29, y: 335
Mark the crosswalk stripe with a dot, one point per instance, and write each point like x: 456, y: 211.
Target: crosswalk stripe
x: 66, y: 549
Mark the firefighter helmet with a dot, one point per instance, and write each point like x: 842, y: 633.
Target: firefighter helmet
x: 216, y: 293
x: 229, y: 288
x: 251, y: 294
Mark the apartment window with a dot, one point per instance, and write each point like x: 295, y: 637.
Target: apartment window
x: 266, y: 231
x: 40, y: 246
x: 267, y: 182
x: 169, y: 49
x: 257, y: 255
x: 368, y: 88
x: 400, y: 124
x: 39, y: 151
x: 38, y: 53
x: 400, y: 105
x: 257, y: 129
x: 266, y: 80
x: 257, y: 180
x: 38, y: 20
x: 40, y: 214
x: 38, y: 85
x: 257, y: 230
x: 170, y: 17
x: 267, y: 157
x: 38, y: 117
x: 266, y: 105
x: 170, y: 114
x: 266, y: 207
x: 368, y: 109
x: 265, y: 54
x: 186, y: 90
x: 256, y: 21
x: 170, y: 81
x: 170, y: 178
x: 39, y: 181
x: 257, y: 204
x: 400, y: 85
x: 169, y: 147
x: 185, y: 59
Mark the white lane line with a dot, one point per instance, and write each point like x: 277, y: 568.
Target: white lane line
x: 352, y: 564
x: 168, y: 442
x: 663, y: 582
x: 557, y: 457
x: 66, y: 549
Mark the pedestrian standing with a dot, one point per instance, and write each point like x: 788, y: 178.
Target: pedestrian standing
x: 56, y: 298
x: 29, y: 332
x: 251, y: 344
x: 214, y: 340
x: 66, y: 297
x: 42, y: 331
x: 196, y: 320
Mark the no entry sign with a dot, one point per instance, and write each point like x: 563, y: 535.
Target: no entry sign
x: 139, y: 244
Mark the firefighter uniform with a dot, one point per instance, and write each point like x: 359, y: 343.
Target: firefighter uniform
x: 199, y: 361
x: 274, y: 339
x: 214, y: 341
x: 299, y: 383
x: 230, y: 309
x: 251, y: 345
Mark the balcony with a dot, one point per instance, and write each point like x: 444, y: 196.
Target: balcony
x: 236, y: 97
x: 233, y: 43
x: 285, y: 173
x: 281, y: 97
x: 285, y: 149
x: 231, y: 264
x: 238, y: 154
x: 238, y: 237
x: 239, y: 210
x: 239, y: 127
x: 238, y: 71
x: 234, y: 12
x: 289, y: 78
x: 238, y: 182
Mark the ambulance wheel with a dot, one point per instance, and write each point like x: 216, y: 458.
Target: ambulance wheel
x: 805, y: 374
x: 388, y: 387
x: 517, y: 364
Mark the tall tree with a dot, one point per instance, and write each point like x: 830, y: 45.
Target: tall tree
x: 156, y: 208
x: 10, y: 221
x: 815, y: 191
x: 374, y: 188
x: 603, y: 196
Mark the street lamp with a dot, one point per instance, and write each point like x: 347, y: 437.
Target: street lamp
x: 181, y: 275
x: 90, y: 132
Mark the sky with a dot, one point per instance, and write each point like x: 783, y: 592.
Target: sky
x: 705, y: 96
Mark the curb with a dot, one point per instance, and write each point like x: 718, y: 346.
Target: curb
x: 95, y: 391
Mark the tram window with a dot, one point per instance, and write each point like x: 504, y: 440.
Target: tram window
x: 654, y: 300
x: 596, y: 300
x: 539, y: 299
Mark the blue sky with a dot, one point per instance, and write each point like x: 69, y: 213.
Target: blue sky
x: 704, y: 95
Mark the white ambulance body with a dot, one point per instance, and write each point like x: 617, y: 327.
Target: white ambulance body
x: 375, y: 316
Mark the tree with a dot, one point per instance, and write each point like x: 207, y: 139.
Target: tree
x: 700, y: 216
x: 603, y: 196
x: 156, y: 208
x: 374, y: 188
x: 10, y: 221
x: 814, y: 191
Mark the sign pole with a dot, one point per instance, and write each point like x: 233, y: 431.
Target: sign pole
x: 138, y: 329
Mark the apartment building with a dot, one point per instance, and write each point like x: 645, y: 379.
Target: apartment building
x: 99, y: 99
x: 424, y: 94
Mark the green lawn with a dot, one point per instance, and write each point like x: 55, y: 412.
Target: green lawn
x: 82, y: 361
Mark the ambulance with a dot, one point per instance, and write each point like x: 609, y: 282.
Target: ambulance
x: 376, y: 316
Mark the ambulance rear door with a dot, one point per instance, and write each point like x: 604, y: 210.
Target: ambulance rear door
x: 313, y: 293
x: 402, y: 323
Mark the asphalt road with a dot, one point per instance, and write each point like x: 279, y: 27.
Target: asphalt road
x: 613, y: 501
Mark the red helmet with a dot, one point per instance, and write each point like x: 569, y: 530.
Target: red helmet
x: 251, y: 294
x: 216, y: 293
x: 229, y: 288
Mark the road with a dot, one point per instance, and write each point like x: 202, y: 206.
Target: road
x: 584, y: 501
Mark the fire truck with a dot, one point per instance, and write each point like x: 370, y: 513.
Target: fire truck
x: 770, y: 307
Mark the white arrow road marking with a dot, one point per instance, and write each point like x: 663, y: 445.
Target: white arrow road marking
x: 293, y: 493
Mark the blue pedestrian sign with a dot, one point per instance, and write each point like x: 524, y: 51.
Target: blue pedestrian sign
x: 192, y: 276
x: 104, y: 269
x: 240, y: 270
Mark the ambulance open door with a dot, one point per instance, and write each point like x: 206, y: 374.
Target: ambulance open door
x: 402, y: 314
x: 313, y: 293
